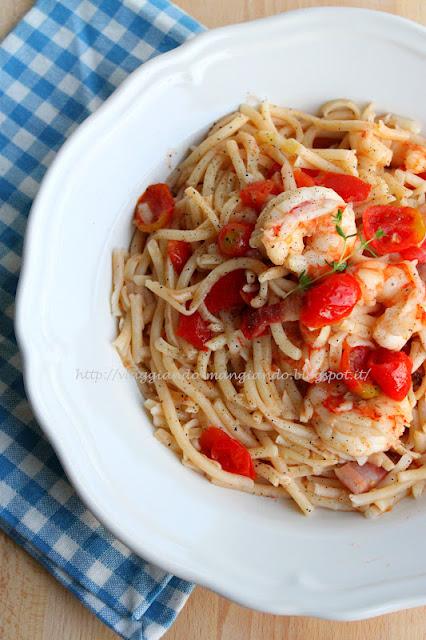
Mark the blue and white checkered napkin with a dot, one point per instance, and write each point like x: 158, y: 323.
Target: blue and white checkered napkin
x: 59, y: 64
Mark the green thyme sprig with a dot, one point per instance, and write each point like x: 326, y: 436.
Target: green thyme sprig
x: 340, y: 265
x: 305, y: 281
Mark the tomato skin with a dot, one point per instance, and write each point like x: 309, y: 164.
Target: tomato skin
x: 303, y: 179
x: 234, y: 237
x: 355, y: 360
x: 392, y: 372
x: 231, y: 454
x: 255, y: 322
x: 248, y: 296
x: 256, y: 194
x: 350, y: 188
x: 314, y: 173
x: 194, y: 330
x: 160, y: 200
x: 329, y: 301
x: 403, y: 227
x: 415, y: 253
x: 225, y: 294
x: 179, y: 253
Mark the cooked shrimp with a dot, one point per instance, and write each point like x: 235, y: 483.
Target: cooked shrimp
x: 398, y: 323
x: 297, y: 229
x: 370, y: 146
x: 411, y: 156
x: 400, y: 290
x: 355, y: 428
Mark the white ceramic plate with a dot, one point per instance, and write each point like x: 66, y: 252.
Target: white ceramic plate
x: 260, y: 552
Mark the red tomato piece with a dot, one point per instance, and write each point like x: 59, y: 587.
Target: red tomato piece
x: 256, y: 194
x: 360, y: 478
x: 392, y: 372
x: 194, y: 330
x: 225, y: 294
x: 256, y: 321
x: 233, y: 239
x: 179, y: 253
x: 303, y: 179
x: 422, y: 175
x: 314, y: 173
x: 353, y: 364
x: 415, y: 253
x: 248, y: 296
x: 273, y: 169
x: 231, y: 454
x: 403, y: 227
x: 274, y: 174
x: 350, y: 188
x: 329, y: 301
x: 154, y: 209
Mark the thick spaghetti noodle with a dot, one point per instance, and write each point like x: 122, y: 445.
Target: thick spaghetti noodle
x: 272, y: 306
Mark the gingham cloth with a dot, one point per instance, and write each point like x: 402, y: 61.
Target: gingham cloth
x: 58, y: 65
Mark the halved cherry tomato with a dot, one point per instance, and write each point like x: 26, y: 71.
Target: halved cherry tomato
x: 415, y: 253
x: 350, y: 188
x: 154, y: 208
x: 353, y: 364
x: 225, y: 294
x: 303, y: 179
x: 255, y: 322
x: 179, y: 253
x: 256, y: 194
x: 329, y: 301
x: 233, y: 239
x: 392, y: 372
x: 194, y: 330
x: 403, y: 227
x: 231, y: 455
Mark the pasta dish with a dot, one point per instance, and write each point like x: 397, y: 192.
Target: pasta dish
x: 272, y: 309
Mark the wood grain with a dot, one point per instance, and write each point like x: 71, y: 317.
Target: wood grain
x: 215, y: 13
x: 10, y: 12
x: 33, y: 606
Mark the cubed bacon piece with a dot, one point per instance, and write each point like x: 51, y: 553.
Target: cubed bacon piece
x: 360, y: 479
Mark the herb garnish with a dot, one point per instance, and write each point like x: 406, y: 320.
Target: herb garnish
x: 340, y: 265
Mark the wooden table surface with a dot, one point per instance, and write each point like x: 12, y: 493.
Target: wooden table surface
x: 33, y: 606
